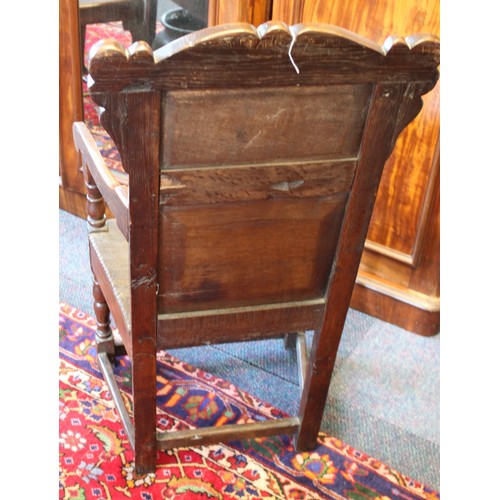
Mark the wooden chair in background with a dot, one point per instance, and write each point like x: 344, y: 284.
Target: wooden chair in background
x: 254, y: 156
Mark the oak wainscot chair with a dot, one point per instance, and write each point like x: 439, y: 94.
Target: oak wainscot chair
x: 253, y: 158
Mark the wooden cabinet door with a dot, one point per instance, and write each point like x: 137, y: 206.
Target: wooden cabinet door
x: 230, y: 11
x: 398, y: 280
x: 71, y: 184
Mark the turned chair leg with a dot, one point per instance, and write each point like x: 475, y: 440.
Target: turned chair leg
x: 103, y: 336
x: 290, y: 340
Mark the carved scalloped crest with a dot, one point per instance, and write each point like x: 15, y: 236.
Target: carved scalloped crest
x: 111, y: 51
x: 300, y: 54
x: 273, y: 54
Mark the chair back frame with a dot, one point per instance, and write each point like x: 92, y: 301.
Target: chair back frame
x: 346, y: 100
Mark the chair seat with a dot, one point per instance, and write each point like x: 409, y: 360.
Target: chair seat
x: 110, y: 255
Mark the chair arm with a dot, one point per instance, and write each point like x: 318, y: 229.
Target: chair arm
x: 114, y: 193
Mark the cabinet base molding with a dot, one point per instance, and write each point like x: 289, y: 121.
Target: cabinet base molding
x: 73, y: 202
x: 406, y: 308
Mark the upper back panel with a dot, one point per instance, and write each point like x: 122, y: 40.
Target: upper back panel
x: 259, y: 139
x: 237, y: 126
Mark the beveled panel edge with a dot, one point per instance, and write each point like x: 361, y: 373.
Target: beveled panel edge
x: 387, y: 251
x: 397, y: 312
x: 240, y: 310
x: 166, y: 169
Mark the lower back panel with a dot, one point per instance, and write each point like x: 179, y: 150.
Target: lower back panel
x: 247, y: 253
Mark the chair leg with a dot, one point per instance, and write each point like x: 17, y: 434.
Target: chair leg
x: 144, y: 412
x: 290, y: 340
x: 143, y: 436
x: 104, y: 336
x: 302, y: 358
x: 83, y: 34
x: 297, y: 341
x: 315, y: 390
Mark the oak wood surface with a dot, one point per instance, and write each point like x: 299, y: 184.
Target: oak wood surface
x: 238, y: 324
x: 226, y: 247
x: 391, y: 260
x: 175, y: 67
x: 376, y: 148
x: 109, y: 257
x: 232, y: 255
x: 142, y: 142
x: 325, y: 121
x: 199, y: 437
x: 260, y: 181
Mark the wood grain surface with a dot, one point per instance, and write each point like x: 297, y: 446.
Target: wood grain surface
x: 254, y: 156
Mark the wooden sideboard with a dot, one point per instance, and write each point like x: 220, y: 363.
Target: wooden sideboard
x: 71, y: 184
x: 398, y: 280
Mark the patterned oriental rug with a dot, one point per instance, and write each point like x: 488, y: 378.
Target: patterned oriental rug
x: 96, y: 460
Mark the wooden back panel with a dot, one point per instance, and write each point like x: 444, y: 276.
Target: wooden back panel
x: 253, y: 189
x: 230, y: 127
x: 258, y: 147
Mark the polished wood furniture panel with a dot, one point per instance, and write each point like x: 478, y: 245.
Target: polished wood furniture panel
x: 248, y: 11
x: 398, y: 279
x: 71, y: 183
x: 73, y: 16
x: 252, y: 175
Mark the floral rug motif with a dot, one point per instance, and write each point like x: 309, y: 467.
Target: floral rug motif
x: 96, y: 460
